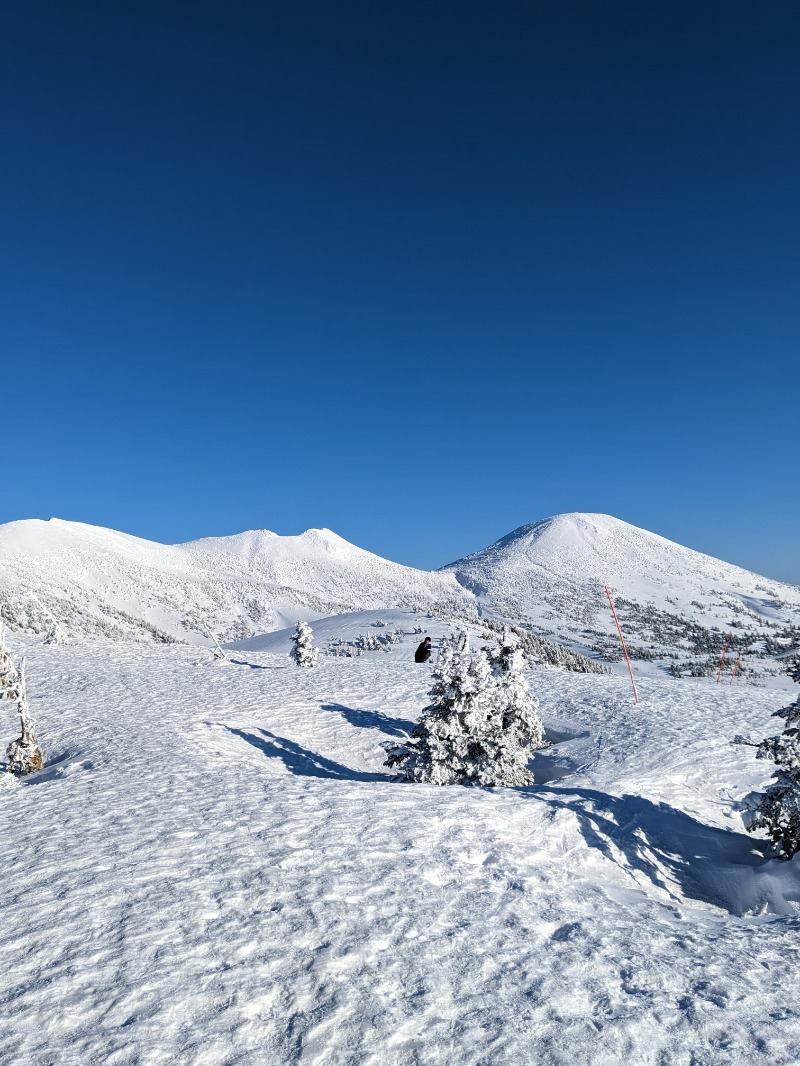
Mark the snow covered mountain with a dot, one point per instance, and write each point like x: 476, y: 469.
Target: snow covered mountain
x: 97, y: 581
x: 671, y: 600
x: 674, y: 603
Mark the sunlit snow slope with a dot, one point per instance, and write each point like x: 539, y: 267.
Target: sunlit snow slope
x: 676, y: 605
x: 553, y: 573
x: 215, y: 867
x: 97, y: 581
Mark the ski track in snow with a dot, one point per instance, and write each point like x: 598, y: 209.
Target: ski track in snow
x: 216, y: 868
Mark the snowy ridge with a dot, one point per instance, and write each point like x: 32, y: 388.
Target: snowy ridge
x: 675, y: 603
x: 98, y: 581
x: 553, y: 574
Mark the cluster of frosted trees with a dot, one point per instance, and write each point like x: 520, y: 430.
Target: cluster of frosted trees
x: 482, y: 724
x: 480, y: 728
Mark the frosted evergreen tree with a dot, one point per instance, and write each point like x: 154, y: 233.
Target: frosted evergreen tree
x: 778, y: 809
x: 24, y: 754
x: 460, y: 738
x: 304, y: 653
x: 518, y: 707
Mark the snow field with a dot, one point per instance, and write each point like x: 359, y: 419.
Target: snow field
x: 216, y: 868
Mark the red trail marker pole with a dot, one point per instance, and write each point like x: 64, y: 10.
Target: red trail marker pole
x: 722, y: 660
x: 736, y: 665
x: 619, y: 630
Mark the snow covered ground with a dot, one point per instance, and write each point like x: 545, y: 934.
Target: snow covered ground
x: 215, y: 868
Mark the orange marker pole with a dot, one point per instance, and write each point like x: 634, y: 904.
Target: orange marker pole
x: 619, y: 630
x: 722, y: 660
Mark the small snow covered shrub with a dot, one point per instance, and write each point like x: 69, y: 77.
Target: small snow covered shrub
x: 343, y: 648
x: 24, y: 754
x: 304, y: 653
x: 367, y: 642
x: 55, y: 635
x: 778, y: 809
x: 479, y: 728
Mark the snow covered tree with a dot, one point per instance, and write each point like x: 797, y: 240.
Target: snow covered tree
x: 55, y: 634
x: 518, y: 707
x: 304, y: 653
x: 24, y: 754
x: 461, y: 737
x: 778, y: 809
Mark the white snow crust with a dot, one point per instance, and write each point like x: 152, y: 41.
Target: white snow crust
x: 215, y: 867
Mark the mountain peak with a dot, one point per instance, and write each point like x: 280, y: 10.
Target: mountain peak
x: 553, y: 572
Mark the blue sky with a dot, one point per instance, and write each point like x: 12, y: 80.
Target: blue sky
x: 420, y: 273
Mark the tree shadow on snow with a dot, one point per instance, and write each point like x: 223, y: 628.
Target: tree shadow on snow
x: 548, y: 767
x: 678, y: 854
x: 300, y: 760
x: 254, y: 666
x: 395, y: 727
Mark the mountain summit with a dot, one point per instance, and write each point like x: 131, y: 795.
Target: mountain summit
x: 552, y: 573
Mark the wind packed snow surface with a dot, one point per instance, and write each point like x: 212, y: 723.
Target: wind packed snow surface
x: 215, y: 867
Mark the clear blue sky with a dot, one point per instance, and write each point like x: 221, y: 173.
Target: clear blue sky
x: 418, y: 272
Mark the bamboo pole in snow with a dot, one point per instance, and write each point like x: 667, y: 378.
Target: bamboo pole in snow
x: 624, y: 648
x: 722, y: 660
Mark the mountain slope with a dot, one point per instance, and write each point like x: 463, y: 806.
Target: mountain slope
x: 553, y: 573
x: 98, y: 581
x: 675, y: 604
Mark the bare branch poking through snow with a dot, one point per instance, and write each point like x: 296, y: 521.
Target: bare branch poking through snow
x: 24, y: 754
x: 218, y: 654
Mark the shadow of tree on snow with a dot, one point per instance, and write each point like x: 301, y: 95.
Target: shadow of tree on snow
x: 395, y: 727
x: 255, y: 666
x: 301, y: 761
x: 678, y: 854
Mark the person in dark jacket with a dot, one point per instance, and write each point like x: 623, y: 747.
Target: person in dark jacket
x: 423, y: 652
